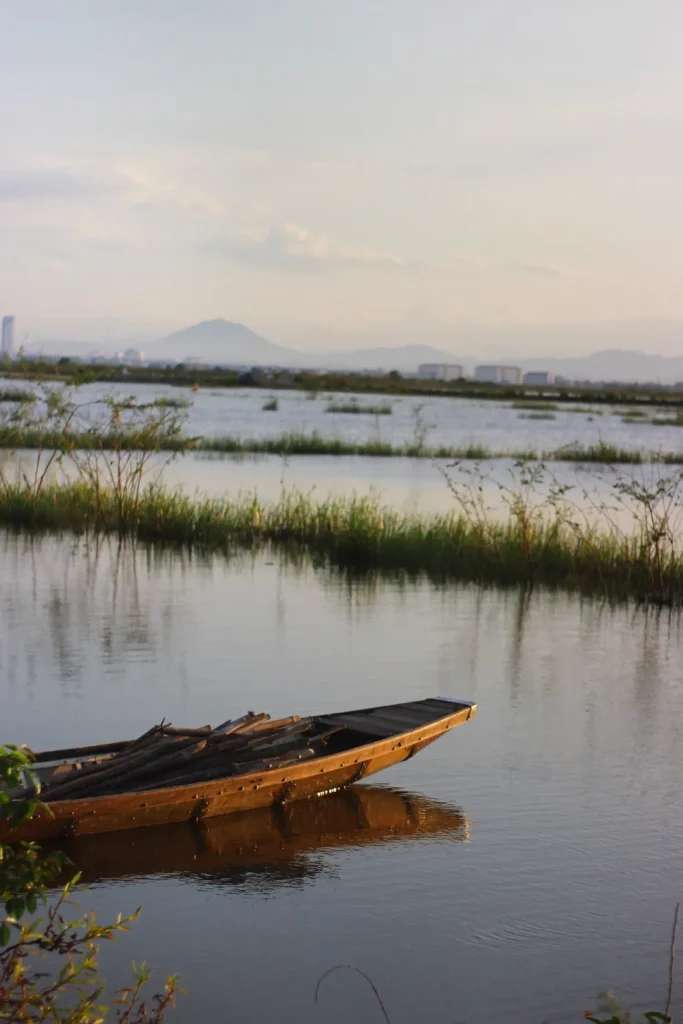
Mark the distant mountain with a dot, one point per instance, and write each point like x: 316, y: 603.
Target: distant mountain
x: 228, y: 343
x: 222, y: 341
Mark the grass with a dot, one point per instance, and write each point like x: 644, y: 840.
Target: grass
x: 633, y: 414
x: 17, y: 395
x: 271, y: 405
x: 164, y: 402
x: 539, y: 405
x: 354, y: 406
x: 89, y: 440
x: 609, y: 453
x: 296, y: 443
x: 360, y: 534
x: 316, y: 444
x: 669, y: 421
x: 536, y: 416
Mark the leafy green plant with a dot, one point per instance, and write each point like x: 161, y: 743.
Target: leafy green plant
x: 610, y: 1011
x: 49, y: 964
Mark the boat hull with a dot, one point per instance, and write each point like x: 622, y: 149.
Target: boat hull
x: 197, y: 801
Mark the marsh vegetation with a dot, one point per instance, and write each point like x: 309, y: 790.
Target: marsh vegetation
x: 361, y: 408
x: 546, y: 534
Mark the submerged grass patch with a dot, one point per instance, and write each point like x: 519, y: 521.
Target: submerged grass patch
x: 668, y: 421
x: 314, y: 443
x: 16, y: 395
x: 633, y: 414
x: 354, y: 406
x: 531, y: 404
x: 362, y: 534
x: 606, y: 453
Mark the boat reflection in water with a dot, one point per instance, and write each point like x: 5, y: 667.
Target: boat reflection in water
x: 270, y: 846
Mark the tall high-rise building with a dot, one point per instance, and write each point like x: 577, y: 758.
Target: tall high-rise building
x: 7, y: 344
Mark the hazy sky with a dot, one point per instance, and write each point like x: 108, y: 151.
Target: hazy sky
x: 333, y: 173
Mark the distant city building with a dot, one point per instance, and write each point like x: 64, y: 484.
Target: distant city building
x: 7, y: 344
x: 493, y: 374
x: 133, y: 356
x: 539, y: 377
x: 440, y: 371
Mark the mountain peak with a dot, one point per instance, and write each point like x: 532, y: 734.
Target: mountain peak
x: 225, y: 341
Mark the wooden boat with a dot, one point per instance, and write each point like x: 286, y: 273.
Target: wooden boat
x: 270, y: 846
x: 364, y: 742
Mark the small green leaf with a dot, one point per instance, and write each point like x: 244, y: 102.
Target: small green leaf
x: 15, y: 907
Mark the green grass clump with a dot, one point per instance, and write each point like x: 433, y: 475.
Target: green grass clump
x: 600, y: 452
x: 88, y: 440
x: 17, y: 395
x: 159, y: 403
x: 583, y: 409
x: 360, y: 534
x: 295, y: 443
x: 668, y: 421
x: 633, y: 414
x: 271, y: 405
x: 354, y: 406
x: 536, y: 416
x: 535, y: 405
x: 170, y: 403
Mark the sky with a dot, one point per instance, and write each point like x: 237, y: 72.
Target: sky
x: 490, y: 175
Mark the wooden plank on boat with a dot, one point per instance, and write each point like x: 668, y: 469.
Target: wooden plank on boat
x: 63, y: 753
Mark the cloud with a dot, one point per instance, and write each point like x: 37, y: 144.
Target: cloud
x: 289, y: 246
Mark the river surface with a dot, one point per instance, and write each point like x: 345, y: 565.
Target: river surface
x: 510, y: 872
x: 500, y: 426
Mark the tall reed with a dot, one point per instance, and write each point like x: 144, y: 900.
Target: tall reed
x: 361, y: 534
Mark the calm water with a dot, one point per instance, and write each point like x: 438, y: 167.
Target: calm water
x: 508, y: 873
x: 440, y: 421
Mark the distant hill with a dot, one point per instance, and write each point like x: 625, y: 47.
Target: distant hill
x: 222, y: 341
x: 228, y: 343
